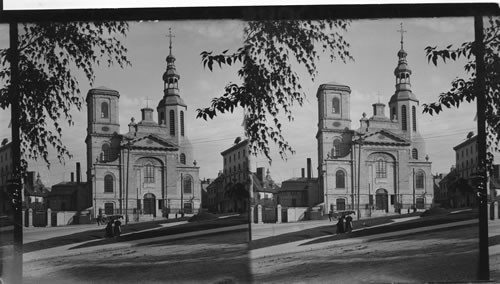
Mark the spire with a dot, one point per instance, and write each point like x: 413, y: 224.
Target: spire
x: 402, y: 31
x: 171, y: 77
x: 402, y: 71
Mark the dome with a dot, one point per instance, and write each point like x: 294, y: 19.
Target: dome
x: 403, y: 95
x: 171, y: 100
x: 402, y: 67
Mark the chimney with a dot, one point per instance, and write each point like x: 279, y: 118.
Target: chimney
x: 72, y: 177
x: 78, y: 172
x: 309, y: 168
x: 260, y: 174
x: 303, y: 173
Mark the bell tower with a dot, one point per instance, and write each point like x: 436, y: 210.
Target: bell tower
x: 404, y: 105
x: 334, y: 121
x: 172, y: 111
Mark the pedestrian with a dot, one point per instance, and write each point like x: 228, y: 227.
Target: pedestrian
x: 118, y: 228
x: 330, y: 215
x: 348, y: 224
x: 340, y: 225
x: 99, y: 219
x: 109, y: 230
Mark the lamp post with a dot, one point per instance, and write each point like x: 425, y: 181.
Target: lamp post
x: 359, y: 171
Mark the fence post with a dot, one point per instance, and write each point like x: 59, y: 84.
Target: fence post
x: 278, y: 214
x: 259, y: 214
x: 30, y: 217
x: 49, y: 217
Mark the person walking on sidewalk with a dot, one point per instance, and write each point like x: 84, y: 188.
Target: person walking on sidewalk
x: 109, y: 230
x: 118, y: 228
x: 340, y: 225
x: 330, y: 215
x: 348, y: 224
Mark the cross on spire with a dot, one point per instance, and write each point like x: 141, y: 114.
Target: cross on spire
x: 402, y: 31
x: 170, y: 36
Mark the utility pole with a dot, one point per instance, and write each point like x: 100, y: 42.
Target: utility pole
x: 414, y: 208
x: 480, y: 89
x: 16, y: 273
x: 126, y: 193
x: 359, y: 171
x: 182, y: 195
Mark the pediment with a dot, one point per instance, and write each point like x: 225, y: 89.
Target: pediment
x: 150, y: 141
x: 384, y: 137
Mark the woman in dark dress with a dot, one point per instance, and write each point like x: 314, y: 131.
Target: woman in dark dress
x: 109, y: 229
x: 340, y: 225
x: 118, y: 228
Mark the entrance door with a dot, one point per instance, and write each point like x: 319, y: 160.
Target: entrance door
x: 381, y: 200
x: 149, y: 204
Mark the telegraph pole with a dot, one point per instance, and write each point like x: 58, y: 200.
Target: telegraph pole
x: 478, y: 50
x: 16, y: 273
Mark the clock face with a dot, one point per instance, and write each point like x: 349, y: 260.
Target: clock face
x: 105, y: 128
x: 336, y: 124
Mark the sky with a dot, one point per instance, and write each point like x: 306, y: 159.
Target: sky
x: 374, y: 46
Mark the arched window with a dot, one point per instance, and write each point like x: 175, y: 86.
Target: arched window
x: 414, y: 117
x: 149, y: 173
x: 381, y: 169
x: 420, y: 180
x: 183, y: 158
x: 336, y: 148
x: 403, y: 118
x: 106, y: 152
x: 104, y: 110
x: 414, y: 154
x: 108, y: 183
x: 182, y: 123
x: 340, y: 179
x: 188, y: 185
x: 394, y: 114
x: 162, y: 117
x: 335, y: 105
x: 172, y: 122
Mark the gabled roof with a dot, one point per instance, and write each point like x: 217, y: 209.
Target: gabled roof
x: 149, y: 142
x: 383, y: 137
x: 268, y: 185
x: 37, y: 189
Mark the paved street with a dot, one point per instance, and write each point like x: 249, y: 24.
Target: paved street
x: 438, y: 254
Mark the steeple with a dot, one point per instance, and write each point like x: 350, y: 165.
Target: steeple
x: 171, y: 77
x: 402, y: 71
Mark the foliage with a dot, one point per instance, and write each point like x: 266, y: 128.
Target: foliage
x: 271, y: 52
x: 48, y: 54
x: 464, y: 89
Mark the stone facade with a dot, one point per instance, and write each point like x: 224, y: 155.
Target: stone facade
x: 380, y: 168
x: 149, y: 171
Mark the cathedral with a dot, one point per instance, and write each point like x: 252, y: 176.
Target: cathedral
x: 149, y: 171
x: 382, y: 167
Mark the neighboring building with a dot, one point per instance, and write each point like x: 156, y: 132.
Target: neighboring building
x: 466, y: 157
x: 235, y: 171
x: 70, y: 196
x: 265, y: 188
x: 300, y: 191
x: 382, y: 167
x: 35, y: 192
x: 215, y: 192
x: 149, y: 171
x: 5, y: 175
x: 440, y: 195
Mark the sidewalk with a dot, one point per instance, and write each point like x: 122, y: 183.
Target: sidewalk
x: 67, y: 249
x: 300, y: 246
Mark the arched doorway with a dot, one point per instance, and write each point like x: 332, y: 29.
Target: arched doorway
x: 149, y: 204
x: 381, y: 200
